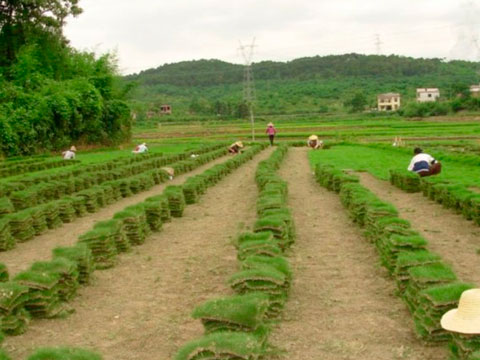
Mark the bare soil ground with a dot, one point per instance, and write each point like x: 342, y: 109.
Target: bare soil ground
x: 342, y: 304
x: 450, y: 235
x: 141, y: 308
x: 40, y: 247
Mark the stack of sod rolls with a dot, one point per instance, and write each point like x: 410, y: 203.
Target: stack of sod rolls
x: 405, y: 180
x: 465, y: 347
x: 176, y: 200
x: 237, y: 327
x: 428, y: 286
x: 14, y: 317
x: 82, y: 256
x: 432, y: 304
x: 7, y: 241
x: 63, y: 353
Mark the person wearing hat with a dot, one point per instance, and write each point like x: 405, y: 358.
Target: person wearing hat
x: 69, y: 154
x: 466, y: 318
x: 271, y: 132
x: 235, y: 147
x: 170, y: 171
x: 424, y: 164
x: 140, y: 149
x: 314, y: 143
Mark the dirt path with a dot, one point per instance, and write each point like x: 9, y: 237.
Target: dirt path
x: 342, y: 304
x: 40, y: 247
x: 141, y: 308
x: 449, y: 235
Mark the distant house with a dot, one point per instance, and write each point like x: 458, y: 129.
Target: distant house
x: 427, y: 94
x: 388, y: 102
x: 475, y: 90
x: 165, y: 109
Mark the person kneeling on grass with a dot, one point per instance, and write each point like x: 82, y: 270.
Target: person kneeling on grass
x: 235, y: 147
x: 314, y: 143
x: 140, y: 149
x: 69, y: 154
x: 424, y: 164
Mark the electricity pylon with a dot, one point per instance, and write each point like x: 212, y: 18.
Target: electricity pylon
x: 248, y: 84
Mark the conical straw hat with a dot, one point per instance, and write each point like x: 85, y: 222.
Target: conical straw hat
x: 239, y: 144
x: 313, y: 137
x: 465, y: 319
x: 73, y: 148
x: 270, y: 124
x: 170, y: 171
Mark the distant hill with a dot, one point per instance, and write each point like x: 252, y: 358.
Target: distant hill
x: 303, y: 85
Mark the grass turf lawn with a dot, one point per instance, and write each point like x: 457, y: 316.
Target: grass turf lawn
x: 378, y: 160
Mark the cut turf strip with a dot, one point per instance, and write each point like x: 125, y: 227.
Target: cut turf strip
x: 141, y: 308
x: 449, y: 235
x: 342, y: 304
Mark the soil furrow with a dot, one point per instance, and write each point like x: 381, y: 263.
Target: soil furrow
x: 40, y: 247
x: 342, y: 305
x: 141, y: 308
x: 450, y: 235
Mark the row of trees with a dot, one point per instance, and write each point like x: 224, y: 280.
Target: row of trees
x: 50, y: 94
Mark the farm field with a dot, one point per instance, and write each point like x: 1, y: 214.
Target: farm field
x: 359, y: 128
x: 173, y: 255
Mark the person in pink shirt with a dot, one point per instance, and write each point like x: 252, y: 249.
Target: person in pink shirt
x: 271, y: 132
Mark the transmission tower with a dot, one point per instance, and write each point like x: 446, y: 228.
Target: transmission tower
x: 248, y: 84
x: 378, y: 44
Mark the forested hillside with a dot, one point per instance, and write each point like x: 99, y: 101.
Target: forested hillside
x: 314, y: 84
x: 51, y: 95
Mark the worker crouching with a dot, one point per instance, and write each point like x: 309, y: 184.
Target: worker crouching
x: 314, y: 142
x: 235, y: 147
x: 424, y: 164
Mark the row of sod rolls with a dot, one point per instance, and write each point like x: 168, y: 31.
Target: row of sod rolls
x: 31, y: 191
x: 237, y: 327
x: 63, y: 353
x: 428, y: 286
x: 460, y: 198
x: 43, y: 291
x: 21, y: 167
x: 19, y: 183
x: 23, y: 225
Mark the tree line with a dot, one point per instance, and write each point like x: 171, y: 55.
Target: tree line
x: 52, y: 95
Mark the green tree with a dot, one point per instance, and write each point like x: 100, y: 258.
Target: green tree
x: 21, y: 20
x: 357, y: 102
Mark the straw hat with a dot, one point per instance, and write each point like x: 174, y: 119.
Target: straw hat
x: 239, y: 144
x: 465, y: 319
x: 313, y: 137
x: 170, y: 171
x: 73, y: 148
x: 270, y: 124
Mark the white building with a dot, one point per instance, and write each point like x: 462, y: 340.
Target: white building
x: 388, y: 102
x: 475, y: 90
x: 427, y: 94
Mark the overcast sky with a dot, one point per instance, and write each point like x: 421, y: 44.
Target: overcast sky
x: 150, y: 33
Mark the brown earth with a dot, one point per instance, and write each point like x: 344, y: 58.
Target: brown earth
x: 342, y: 304
x: 40, y: 247
x: 450, y: 235
x: 141, y: 308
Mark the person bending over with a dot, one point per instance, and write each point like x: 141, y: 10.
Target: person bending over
x: 424, y: 164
